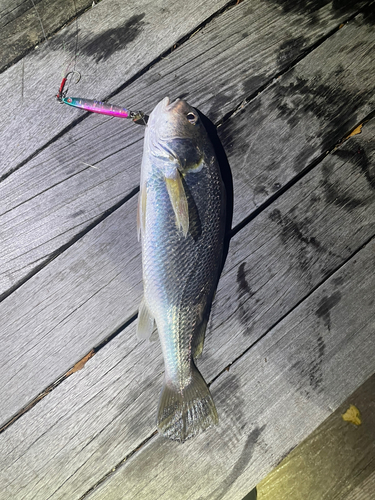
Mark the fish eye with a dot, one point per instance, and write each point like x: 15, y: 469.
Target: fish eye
x: 192, y: 118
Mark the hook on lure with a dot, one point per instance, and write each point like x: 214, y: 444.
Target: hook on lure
x: 102, y: 108
x: 62, y: 93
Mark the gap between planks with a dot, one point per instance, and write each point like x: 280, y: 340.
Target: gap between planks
x: 81, y: 363
x: 220, y: 122
x: 128, y: 82
x: 180, y: 42
x: 78, y: 366
x: 355, y: 130
x: 144, y: 442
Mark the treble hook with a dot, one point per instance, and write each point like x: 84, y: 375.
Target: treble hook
x: 61, y: 93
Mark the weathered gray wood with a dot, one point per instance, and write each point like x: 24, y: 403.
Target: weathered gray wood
x: 25, y: 23
x: 266, y: 402
x: 117, y: 39
x: 335, y: 459
x: 308, y: 110
x: 100, y: 414
x: 65, y: 194
x: 59, y: 315
x: 365, y: 491
x: 11, y: 9
x: 94, y: 287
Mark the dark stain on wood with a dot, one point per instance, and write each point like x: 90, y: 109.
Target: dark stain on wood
x: 311, y: 7
x: 333, y: 104
x: 244, y: 293
x: 289, y: 50
x: 358, y: 156
x: 240, y: 465
x: 227, y: 396
x: 325, y: 305
x: 302, y: 7
x: 261, y: 190
x: 107, y: 43
x: 243, y: 285
x: 334, y: 195
x: 316, y: 373
x: 338, y: 281
x: 302, y: 158
x: 313, y: 370
x: 293, y: 230
x: 252, y: 84
x: 232, y: 134
x: 77, y: 214
x: 369, y: 13
x: 216, y: 105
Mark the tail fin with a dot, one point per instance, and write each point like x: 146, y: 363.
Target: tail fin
x: 184, y: 413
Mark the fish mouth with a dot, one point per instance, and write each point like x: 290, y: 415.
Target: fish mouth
x: 168, y: 105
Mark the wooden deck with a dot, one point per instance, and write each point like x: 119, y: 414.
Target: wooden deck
x: 290, y: 87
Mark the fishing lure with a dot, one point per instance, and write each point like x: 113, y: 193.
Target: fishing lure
x: 102, y: 108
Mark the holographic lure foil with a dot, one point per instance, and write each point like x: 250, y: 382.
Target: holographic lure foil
x: 97, y: 107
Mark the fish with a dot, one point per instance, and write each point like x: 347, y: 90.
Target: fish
x: 181, y: 222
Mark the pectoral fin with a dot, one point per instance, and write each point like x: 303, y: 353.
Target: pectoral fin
x: 145, y: 324
x: 141, y: 211
x: 178, y: 199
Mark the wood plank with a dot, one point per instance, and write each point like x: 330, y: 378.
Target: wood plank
x: 334, y: 460
x: 308, y: 110
x: 266, y: 402
x: 365, y: 491
x: 100, y: 414
x: 53, y: 320
x: 24, y: 24
x: 66, y: 195
x: 65, y: 302
x: 116, y: 41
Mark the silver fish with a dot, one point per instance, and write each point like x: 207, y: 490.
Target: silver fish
x: 181, y: 218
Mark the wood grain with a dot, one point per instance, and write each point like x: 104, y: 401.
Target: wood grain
x: 316, y: 355
x: 365, y: 491
x: 266, y: 404
x: 334, y: 460
x: 307, y: 110
x: 117, y: 40
x: 66, y: 195
x: 25, y: 23
x: 291, y: 332
x: 101, y: 277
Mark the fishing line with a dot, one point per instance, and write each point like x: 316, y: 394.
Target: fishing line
x: 90, y: 105
x: 40, y: 21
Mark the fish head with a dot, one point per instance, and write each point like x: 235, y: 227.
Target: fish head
x: 177, y: 134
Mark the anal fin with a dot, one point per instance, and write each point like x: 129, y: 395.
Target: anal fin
x: 198, y: 340
x: 145, y: 323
